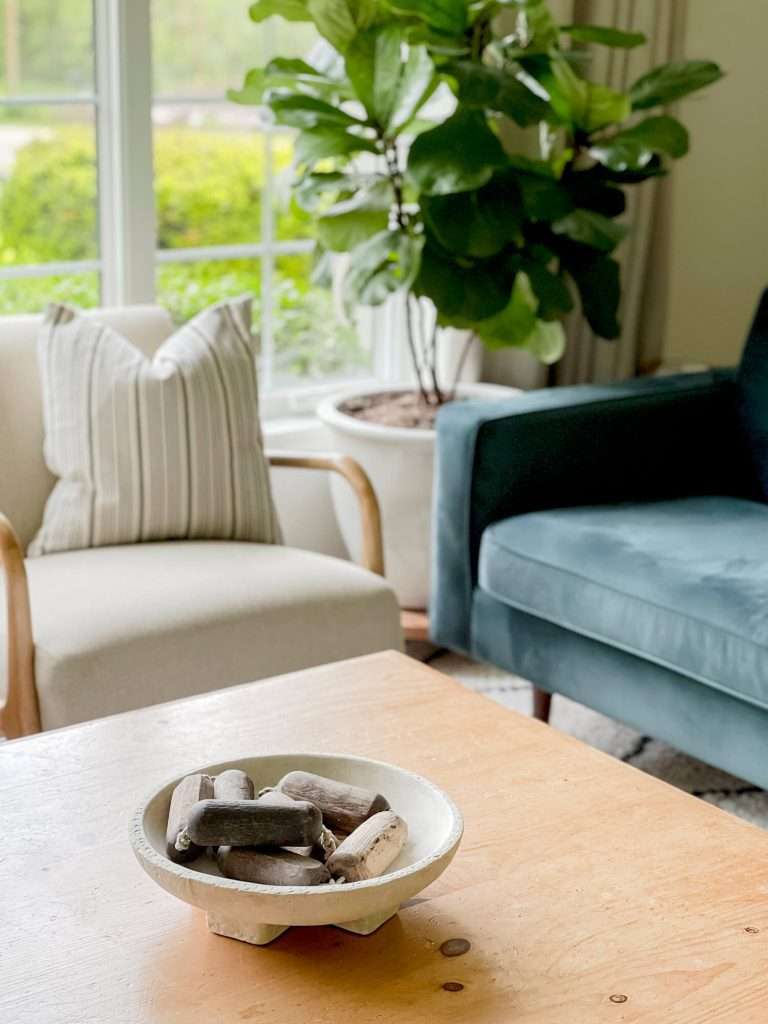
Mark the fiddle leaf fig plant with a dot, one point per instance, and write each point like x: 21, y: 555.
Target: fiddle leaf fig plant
x: 404, y: 158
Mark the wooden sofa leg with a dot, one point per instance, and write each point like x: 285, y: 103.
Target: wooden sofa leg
x: 542, y: 704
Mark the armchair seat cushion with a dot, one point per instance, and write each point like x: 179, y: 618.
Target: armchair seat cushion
x: 118, y: 628
x: 681, y: 583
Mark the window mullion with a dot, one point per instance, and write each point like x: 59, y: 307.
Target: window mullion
x: 267, y: 326
x: 126, y: 197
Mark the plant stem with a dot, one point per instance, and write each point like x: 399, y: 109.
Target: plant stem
x: 460, y: 365
x: 439, y: 396
x: 393, y: 169
x: 412, y: 347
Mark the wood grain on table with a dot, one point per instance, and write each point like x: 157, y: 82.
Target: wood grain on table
x: 589, y: 892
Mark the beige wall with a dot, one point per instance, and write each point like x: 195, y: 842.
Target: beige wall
x: 719, y: 203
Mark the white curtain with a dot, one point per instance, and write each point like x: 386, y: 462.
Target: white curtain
x: 643, y: 255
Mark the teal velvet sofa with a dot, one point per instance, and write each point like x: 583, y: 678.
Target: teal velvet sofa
x: 611, y: 544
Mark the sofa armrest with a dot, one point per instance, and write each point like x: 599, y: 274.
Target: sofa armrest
x: 359, y: 481
x: 643, y: 440
x: 19, y: 715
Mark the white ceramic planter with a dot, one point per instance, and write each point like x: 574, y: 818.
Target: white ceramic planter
x: 399, y: 462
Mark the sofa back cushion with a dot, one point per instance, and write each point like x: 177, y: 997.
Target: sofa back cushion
x: 153, y: 449
x: 25, y: 480
x: 753, y: 395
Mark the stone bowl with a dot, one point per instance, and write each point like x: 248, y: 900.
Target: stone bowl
x: 259, y: 913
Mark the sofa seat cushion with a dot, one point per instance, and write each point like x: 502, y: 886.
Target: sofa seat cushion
x: 681, y: 583
x: 118, y: 628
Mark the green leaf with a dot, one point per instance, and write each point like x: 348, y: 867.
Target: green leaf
x: 327, y: 141
x: 288, y: 73
x: 447, y: 16
x: 654, y: 169
x: 298, y: 74
x: 391, y: 89
x: 591, y: 192
x: 315, y: 191
x: 672, y: 81
x: 313, y: 188
x: 291, y: 10
x: 322, y: 268
x: 417, y: 82
x: 291, y: 68
x: 349, y: 223
x: 462, y: 294
x: 373, y: 66
x: 590, y: 228
x: 477, y: 224
x: 544, y: 197
x: 457, y: 156
x: 495, y: 89
x: 384, y: 264
x: 604, y: 36
x: 340, y: 232
x: 252, y: 91
x: 598, y: 280
x: 535, y: 30
x: 515, y: 323
x: 299, y: 111
x: 604, y: 106
x: 550, y: 289
x: 633, y: 149
x: 531, y: 165
x: 586, y: 106
x: 546, y: 341
x: 339, y: 21
x: 552, y: 78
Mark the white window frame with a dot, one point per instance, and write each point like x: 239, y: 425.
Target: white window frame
x: 122, y: 101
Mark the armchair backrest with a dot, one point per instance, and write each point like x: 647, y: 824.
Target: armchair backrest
x: 25, y: 481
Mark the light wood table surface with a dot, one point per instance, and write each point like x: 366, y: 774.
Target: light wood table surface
x: 590, y: 892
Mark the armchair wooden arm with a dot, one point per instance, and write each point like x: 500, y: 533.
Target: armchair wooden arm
x: 20, y: 714
x: 353, y: 472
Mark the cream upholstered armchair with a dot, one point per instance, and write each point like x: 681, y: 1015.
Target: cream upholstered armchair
x: 94, y: 632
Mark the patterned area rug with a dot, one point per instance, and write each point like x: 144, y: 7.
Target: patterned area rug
x: 642, y: 752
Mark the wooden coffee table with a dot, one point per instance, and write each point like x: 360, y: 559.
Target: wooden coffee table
x: 589, y: 891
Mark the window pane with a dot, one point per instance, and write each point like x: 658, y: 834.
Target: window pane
x: 185, y: 289
x: 199, y: 68
x: 32, y: 294
x: 46, y: 47
x: 311, y: 340
x: 289, y: 38
x: 209, y: 174
x: 48, y: 208
x: 220, y: 44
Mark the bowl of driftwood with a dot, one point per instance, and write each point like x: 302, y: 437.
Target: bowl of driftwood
x: 265, y: 843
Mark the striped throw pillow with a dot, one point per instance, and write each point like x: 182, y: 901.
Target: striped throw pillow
x: 159, y: 449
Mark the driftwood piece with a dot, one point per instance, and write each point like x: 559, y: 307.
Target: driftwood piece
x: 325, y: 844
x: 250, y: 823
x: 277, y: 799
x: 270, y: 867
x: 370, y: 849
x: 274, y: 798
x: 344, y: 807
x: 189, y: 792
x: 232, y: 784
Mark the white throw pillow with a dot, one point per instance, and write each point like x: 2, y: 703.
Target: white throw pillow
x: 159, y: 449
